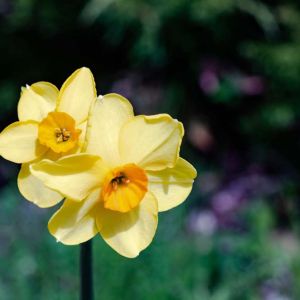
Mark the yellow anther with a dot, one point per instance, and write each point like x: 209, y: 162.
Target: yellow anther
x: 119, y: 180
x: 62, y: 135
x: 125, y: 180
x: 114, y: 185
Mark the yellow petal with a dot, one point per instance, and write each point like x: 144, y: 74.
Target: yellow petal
x: 82, y: 126
x: 73, y: 176
x: 74, y: 222
x: 129, y: 233
x: 53, y: 155
x: 37, y: 101
x: 35, y: 191
x: 18, y: 142
x: 77, y: 94
x: 109, y: 114
x: 172, y: 186
x: 152, y: 142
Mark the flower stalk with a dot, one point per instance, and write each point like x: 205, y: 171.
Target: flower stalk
x: 86, y: 272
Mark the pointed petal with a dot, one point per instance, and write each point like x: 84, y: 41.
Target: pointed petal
x: 152, y: 142
x: 74, y: 222
x: 109, y: 114
x: 37, y: 101
x: 73, y: 176
x: 129, y: 233
x: 172, y: 186
x: 77, y: 94
x: 18, y: 142
x: 35, y: 191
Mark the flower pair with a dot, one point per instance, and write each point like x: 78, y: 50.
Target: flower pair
x: 115, y: 170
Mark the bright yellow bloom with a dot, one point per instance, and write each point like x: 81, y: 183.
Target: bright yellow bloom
x: 130, y: 172
x: 51, y: 124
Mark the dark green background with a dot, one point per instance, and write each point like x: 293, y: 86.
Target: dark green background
x: 230, y: 71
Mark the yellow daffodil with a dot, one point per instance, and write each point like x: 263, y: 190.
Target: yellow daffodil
x: 130, y: 172
x: 51, y: 124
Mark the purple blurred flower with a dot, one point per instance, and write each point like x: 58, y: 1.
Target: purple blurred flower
x: 145, y: 95
x: 125, y: 86
x: 241, y: 189
x: 226, y: 201
x: 277, y: 288
x: 209, y: 76
x: 209, y: 81
x: 234, y: 195
x: 202, y: 222
x: 273, y: 295
x: 213, y: 73
x: 252, y: 85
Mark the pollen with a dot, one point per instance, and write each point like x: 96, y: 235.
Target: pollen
x: 124, y: 188
x: 62, y: 135
x: 57, y: 131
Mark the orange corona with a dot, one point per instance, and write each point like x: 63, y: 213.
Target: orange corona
x: 124, y: 188
x: 57, y: 131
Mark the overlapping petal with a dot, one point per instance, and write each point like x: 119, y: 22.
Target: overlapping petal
x: 82, y: 136
x: 109, y: 114
x: 151, y: 142
x: 18, y: 142
x: 77, y: 95
x: 35, y: 191
x: 37, y: 101
x: 129, y: 233
x: 74, y: 222
x: 172, y: 186
x: 74, y: 176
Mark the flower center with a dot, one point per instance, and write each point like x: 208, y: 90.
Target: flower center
x: 122, y: 179
x: 57, y: 131
x: 124, y: 188
x: 62, y: 135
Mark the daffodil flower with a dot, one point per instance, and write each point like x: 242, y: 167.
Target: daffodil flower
x: 51, y: 124
x: 132, y: 171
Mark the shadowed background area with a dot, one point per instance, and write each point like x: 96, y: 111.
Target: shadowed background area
x: 230, y: 71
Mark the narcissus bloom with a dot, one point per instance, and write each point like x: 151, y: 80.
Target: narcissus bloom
x: 51, y: 124
x: 132, y: 171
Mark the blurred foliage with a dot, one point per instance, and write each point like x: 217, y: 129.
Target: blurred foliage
x: 230, y: 70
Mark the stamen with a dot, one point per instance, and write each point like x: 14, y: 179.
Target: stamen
x: 62, y: 135
x: 125, y: 180
x: 119, y: 180
x: 57, y: 132
x: 115, y: 185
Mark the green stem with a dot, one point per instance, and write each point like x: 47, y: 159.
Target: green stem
x: 86, y: 272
